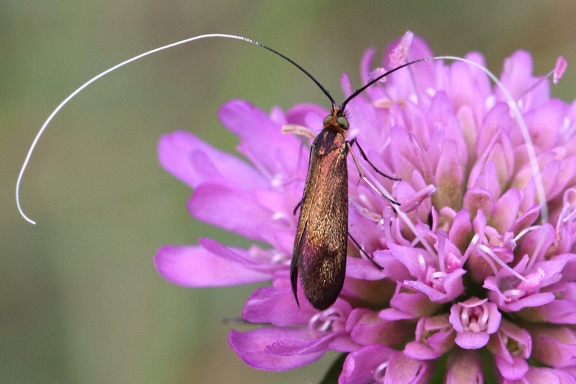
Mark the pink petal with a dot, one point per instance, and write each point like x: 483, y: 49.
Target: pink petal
x: 423, y: 75
x: 554, y: 346
x: 193, y: 266
x: 360, y: 365
x: 363, y: 269
x: 517, y: 74
x: 549, y: 375
x: 417, y: 304
x: 292, y: 346
x: 402, y: 369
x: 229, y: 209
x: 464, y: 367
x: 373, y: 330
x: 545, y: 123
x: 448, y: 176
x: 307, y: 115
x: 453, y: 287
x: 472, y: 340
x: 276, y: 305
x: 516, y: 370
x: 478, y: 199
x: 263, y: 261
x: 252, y: 348
x: 261, y: 140
x: 505, y: 210
x: 194, y: 161
x: 399, y: 54
x: 555, y: 312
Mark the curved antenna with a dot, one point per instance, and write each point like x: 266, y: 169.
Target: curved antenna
x: 102, y: 74
x: 375, y: 80
x: 540, y: 191
x: 513, y: 105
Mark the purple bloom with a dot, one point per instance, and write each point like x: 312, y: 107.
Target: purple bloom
x: 479, y: 261
x: 474, y: 321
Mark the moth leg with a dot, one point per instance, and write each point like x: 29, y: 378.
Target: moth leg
x: 354, y: 141
x: 369, y: 257
x: 363, y: 176
x: 297, y: 206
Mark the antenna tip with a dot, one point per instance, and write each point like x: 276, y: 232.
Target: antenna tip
x: 23, y: 214
x: 27, y: 218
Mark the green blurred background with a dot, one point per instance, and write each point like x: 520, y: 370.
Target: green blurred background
x: 80, y: 300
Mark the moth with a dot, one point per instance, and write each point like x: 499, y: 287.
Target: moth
x: 321, y: 243
x: 320, y: 246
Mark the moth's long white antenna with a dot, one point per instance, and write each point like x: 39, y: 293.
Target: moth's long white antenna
x: 86, y: 84
x: 373, y: 182
x: 523, y: 129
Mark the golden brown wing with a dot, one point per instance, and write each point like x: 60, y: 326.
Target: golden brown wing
x: 319, y: 255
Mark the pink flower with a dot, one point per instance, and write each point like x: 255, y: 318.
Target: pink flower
x: 474, y: 320
x: 478, y: 261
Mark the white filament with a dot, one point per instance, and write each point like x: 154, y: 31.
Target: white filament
x: 86, y: 84
x: 523, y: 129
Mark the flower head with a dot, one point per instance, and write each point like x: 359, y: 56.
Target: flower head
x: 477, y: 261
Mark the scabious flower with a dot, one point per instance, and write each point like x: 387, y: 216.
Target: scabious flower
x: 478, y: 266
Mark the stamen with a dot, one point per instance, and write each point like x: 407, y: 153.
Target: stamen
x: 513, y: 295
x: 465, y: 317
x: 421, y: 262
x: 470, y: 247
x: 364, y: 200
x: 568, y: 212
x: 279, y: 258
x: 438, y: 275
x: 413, y: 98
x: 556, y: 73
x: 380, y: 372
x: 435, y: 279
x: 525, y: 231
x: 267, y: 256
x: 490, y: 102
x: 431, y: 92
x: 400, y: 52
x: 484, y: 318
x: 328, y: 320
x: 419, y: 235
x: 416, y: 199
x: 475, y: 319
x: 492, y: 256
x: 474, y: 327
x: 387, y: 217
x: 442, y: 235
x: 279, y: 216
x: 533, y: 281
x: 559, y: 69
x: 538, y: 252
x: 571, y: 213
x: 300, y: 130
x: 377, y: 73
x: 278, y: 180
x: 374, y: 183
x: 382, y: 103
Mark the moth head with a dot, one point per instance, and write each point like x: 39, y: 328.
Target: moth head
x: 337, y: 120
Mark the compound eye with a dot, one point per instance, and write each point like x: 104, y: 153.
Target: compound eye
x: 327, y: 120
x: 342, y: 122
